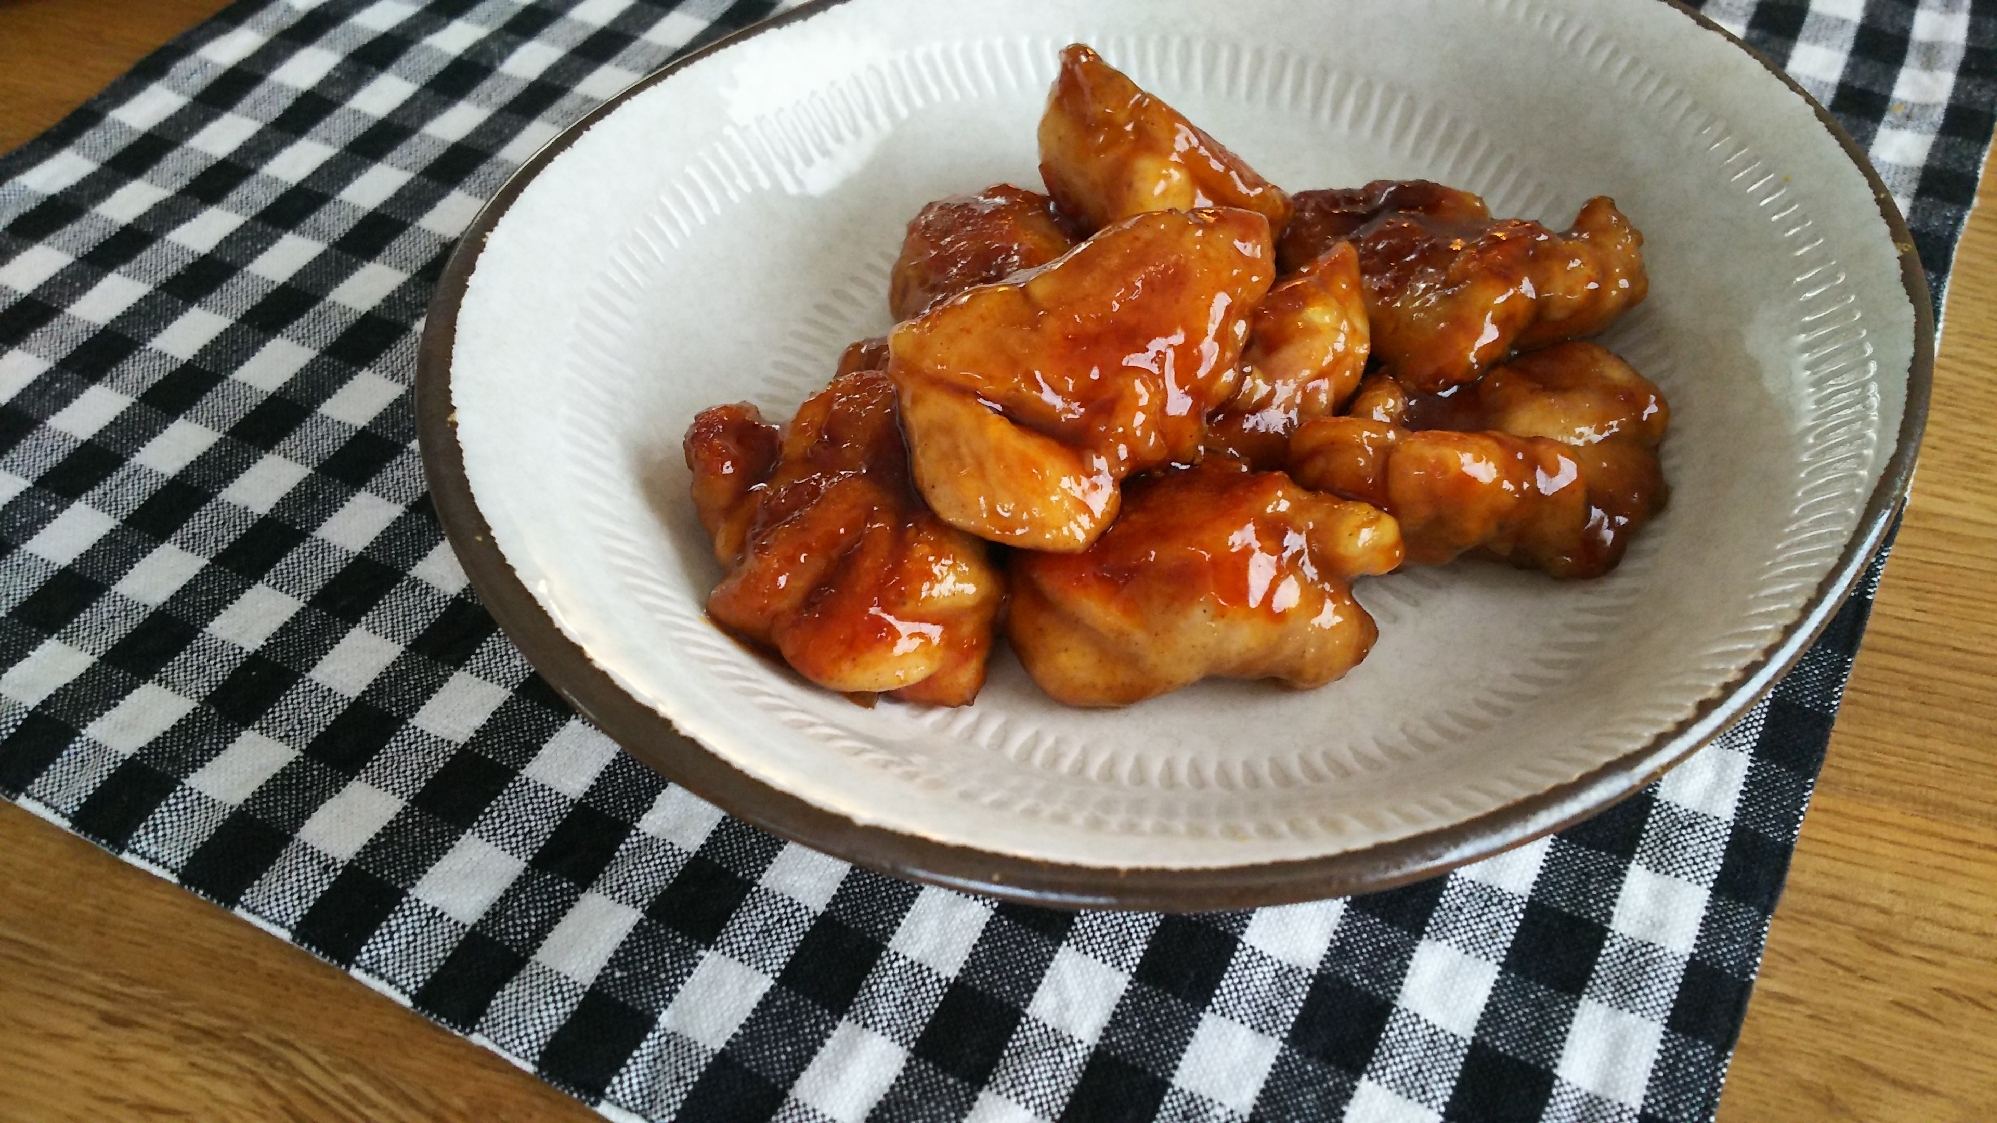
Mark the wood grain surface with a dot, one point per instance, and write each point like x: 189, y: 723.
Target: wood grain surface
x: 122, y: 996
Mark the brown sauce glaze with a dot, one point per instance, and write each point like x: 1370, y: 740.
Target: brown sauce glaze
x: 1213, y: 570
x: 1586, y: 276
x: 867, y: 354
x: 1450, y: 290
x: 1380, y: 398
x: 1548, y: 462
x: 730, y: 450
x: 1307, y: 348
x: 1345, y: 456
x: 1109, y: 150
x: 1575, y: 393
x: 1025, y: 402
x: 833, y: 560
x: 968, y: 240
x: 1456, y: 408
x: 1325, y: 217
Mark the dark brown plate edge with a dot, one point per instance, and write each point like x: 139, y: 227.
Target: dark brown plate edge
x: 651, y: 738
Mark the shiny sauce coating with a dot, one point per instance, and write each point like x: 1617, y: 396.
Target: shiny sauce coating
x: 1306, y: 354
x: 1025, y: 402
x: 968, y: 240
x: 1451, y: 291
x: 833, y: 559
x: 1109, y: 150
x: 1324, y: 218
x: 1548, y: 462
x: 1212, y: 570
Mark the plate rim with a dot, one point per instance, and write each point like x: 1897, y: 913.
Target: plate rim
x: 654, y: 741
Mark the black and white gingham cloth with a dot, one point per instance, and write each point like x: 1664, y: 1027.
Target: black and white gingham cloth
x: 238, y: 652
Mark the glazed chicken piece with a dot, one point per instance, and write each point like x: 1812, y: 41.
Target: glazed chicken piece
x: 832, y: 559
x: 1109, y: 150
x: 1450, y: 290
x: 1563, y: 477
x: 1348, y: 457
x: 867, y: 354
x: 968, y: 240
x: 731, y: 450
x: 1324, y: 218
x: 1586, y: 277
x: 1210, y: 571
x: 1380, y: 398
x: 1307, y: 347
x: 1026, y: 402
x: 1574, y: 393
x: 1528, y: 500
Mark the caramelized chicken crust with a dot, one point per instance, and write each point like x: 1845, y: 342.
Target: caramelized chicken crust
x: 1026, y: 402
x: 1307, y: 347
x: 1109, y: 150
x: 1380, y: 398
x: 1562, y: 480
x: 968, y: 240
x: 1574, y: 393
x: 1324, y: 218
x: 730, y: 450
x: 833, y: 560
x: 1586, y: 277
x: 1450, y: 290
x: 867, y: 354
x: 1210, y: 571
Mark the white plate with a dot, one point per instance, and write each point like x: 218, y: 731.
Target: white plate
x: 724, y: 232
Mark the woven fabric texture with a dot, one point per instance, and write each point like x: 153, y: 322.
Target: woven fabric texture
x: 235, y: 650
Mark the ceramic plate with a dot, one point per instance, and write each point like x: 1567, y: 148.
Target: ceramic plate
x: 723, y: 230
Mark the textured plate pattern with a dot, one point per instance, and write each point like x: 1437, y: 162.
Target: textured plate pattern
x: 766, y: 250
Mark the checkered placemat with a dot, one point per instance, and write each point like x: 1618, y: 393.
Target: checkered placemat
x: 237, y: 652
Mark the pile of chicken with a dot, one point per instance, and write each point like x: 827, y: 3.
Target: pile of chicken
x: 1188, y: 409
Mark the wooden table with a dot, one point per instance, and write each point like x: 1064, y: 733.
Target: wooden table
x: 122, y: 995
